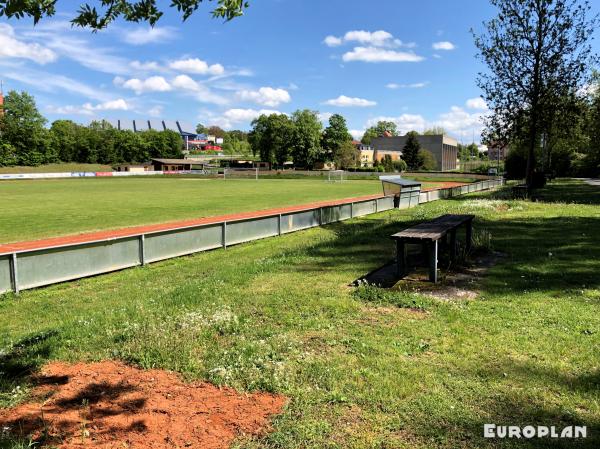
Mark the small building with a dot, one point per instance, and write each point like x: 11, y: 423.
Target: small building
x: 366, y: 153
x: 134, y: 168
x: 176, y: 165
x: 443, y: 148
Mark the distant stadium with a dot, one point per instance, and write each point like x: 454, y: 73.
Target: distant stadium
x: 193, y: 140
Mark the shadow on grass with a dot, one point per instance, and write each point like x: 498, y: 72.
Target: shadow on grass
x: 558, y: 191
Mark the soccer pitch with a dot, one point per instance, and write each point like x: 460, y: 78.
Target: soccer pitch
x: 45, y: 208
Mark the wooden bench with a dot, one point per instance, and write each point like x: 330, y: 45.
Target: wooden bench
x: 429, y: 234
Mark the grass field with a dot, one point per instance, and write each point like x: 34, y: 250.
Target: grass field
x: 42, y: 208
x: 363, y: 369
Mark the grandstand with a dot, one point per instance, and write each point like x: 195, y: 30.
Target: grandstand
x: 193, y: 140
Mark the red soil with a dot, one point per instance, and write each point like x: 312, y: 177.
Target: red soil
x: 112, y: 405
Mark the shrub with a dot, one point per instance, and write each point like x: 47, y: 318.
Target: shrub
x: 515, y: 165
x: 427, y: 160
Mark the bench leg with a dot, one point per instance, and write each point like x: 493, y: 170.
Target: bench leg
x: 433, y: 259
x: 469, y: 235
x: 400, y: 258
x: 453, y: 245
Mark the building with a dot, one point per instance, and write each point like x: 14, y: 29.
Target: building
x: 134, y: 168
x: 168, y: 165
x: 443, y: 148
x: 366, y: 153
x: 193, y: 141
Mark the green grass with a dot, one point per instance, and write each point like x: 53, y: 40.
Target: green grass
x: 361, y: 368
x: 56, y: 168
x: 42, y: 208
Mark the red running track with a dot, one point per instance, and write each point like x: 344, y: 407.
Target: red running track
x: 88, y: 237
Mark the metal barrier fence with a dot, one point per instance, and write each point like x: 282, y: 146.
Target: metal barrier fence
x: 20, y: 270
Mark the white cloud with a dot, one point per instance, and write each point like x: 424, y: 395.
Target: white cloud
x: 155, y: 111
x: 332, y: 41
x: 459, y: 121
x: 378, y: 38
x: 148, y: 66
x: 152, y: 84
x: 404, y: 122
x: 197, y: 66
x: 407, y: 86
x: 375, y: 38
x: 237, y: 115
x: 266, y: 96
x: 149, y: 35
x: 374, y: 54
x: 185, y: 82
x: 11, y: 47
x: 325, y: 116
x: 476, y: 103
x: 444, y: 45
x: 357, y: 133
x: 90, y: 109
x: 346, y: 102
x: 49, y: 82
x: 201, y: 92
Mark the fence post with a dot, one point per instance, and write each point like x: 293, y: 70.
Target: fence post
x: 142, y: 241
x: 14, y: 273
x: 351, y: 210
x: 279, y: 225
x: 224, y: 235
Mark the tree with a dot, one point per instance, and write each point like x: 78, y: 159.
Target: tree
x: 99, y: 13
x: 306, y: 142
x: 271, y: 137
x: 335, y: 136
x: 381, y: 128
x: 410, y: 152
x: 426, y: 160
x: 346, y: 155
x: 388, y: 163
x: 22, y: 126
x: 216, y: 131
x: 434, y: 131
x: 536, y: 51
x: 201, y: 129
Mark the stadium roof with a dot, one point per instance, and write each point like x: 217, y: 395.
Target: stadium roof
x: 183, y: 128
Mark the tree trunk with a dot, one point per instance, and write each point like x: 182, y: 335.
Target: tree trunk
x: 531, y: 155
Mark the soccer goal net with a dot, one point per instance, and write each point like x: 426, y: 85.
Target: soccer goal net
x: 336, y: 176
x: 240, y: 173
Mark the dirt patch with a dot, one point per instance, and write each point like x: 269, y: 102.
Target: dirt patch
x: 456, y: 284
x: 112, y: 405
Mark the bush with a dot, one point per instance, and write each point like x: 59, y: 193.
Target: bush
x: 400, y: 165
x: 427, y: 160
x: 8, y: 155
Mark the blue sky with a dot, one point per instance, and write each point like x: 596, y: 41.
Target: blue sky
x: 410, y: 62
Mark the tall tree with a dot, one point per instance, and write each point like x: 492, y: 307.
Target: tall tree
x: 335, y: 135
x: 536, y: 51
x: 410, y: 152
x: 271, y: 137
x: 381, y: 128
x: 201, y: 129
x: 306, y: 144
x: 22, y: 126
x: 98, y: 14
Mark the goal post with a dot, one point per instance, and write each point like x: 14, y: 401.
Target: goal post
x: 336, y: 176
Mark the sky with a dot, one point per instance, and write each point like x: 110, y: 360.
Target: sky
x: 410, y: 62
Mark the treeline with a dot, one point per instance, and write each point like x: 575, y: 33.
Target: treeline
x: 25, y: 140
x: 570, y: 142
x: 301, y: 139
